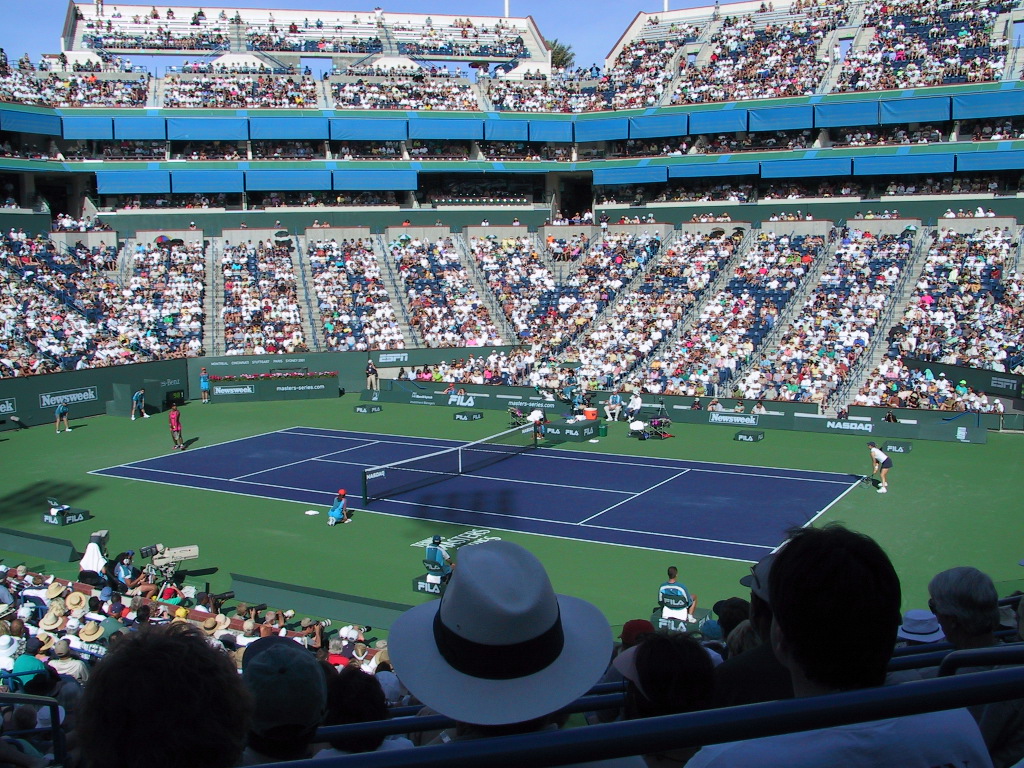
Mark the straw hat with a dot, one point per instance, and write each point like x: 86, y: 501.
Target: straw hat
x: 51, y: 621
x: 76, y: 601
x: 46, y: 639
x: 91, y: 632
x: 56, y: 589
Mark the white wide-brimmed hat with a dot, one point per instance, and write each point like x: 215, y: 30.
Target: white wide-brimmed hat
x: 920, y: 626
x: 500, y: 647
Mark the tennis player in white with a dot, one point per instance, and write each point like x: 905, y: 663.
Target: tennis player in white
x: 881, y: 464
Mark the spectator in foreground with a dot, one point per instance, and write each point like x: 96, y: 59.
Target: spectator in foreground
x: 755, y: 675
x: 966, y: 604
x: 501, y: 653
x: 833, y: 583
x: 289, y: 694
x: 178, y: 678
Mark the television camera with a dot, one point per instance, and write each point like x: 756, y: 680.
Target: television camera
x: 165, y: 561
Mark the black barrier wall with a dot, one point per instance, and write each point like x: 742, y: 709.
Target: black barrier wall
x: 33, y: 399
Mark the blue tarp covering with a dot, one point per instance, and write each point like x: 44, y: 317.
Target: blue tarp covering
x: 207, y: 128
x: 376, y: 180
x: 794, y: 118
x: 288, y: 127
x: 925, y: 110
x: 719, y: 121
x: 656, y: 126
x: 506, y: 130
x: 264, y: 181
x: 550, y: 130
x: 602, y: 130
x: 696, y: 170
x: 990, y: 161
x: 897, y: 165
x: 638, y: 175
x: 847, y: 113
x: 30, y: 122
x: 140, y: 128
x: 119, y: 182
x: 791, y: 169
x: 995, y: 104
x: 206, y: 181
x: 88, y: 128
x: 369, y: 129
x: 446, y: 129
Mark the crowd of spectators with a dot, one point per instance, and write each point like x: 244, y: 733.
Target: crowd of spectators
x: 64, y: 222
x: 646, y: 315
x: 79, y: 317
x: 444, y: 307
x: 964, y: 311
x: 261, y: 312
x: 917, y: 44
x: 287, y: 150
x: 393, y: 93
x: 240, y: 92
x: 823, y: 343
x: 732, y: 325
x: 73, y: 90
x: 506, y: 95
x: 991, y: 130
x: 752, y: 62
x: 878, y: 136
x: 256, y: 683
x: 462, y: 37
x: 361, y: 150
x: 356, y: 312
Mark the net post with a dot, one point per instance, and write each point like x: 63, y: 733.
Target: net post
x: 366, y: 496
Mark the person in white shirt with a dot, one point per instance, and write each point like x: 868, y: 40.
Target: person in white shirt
x: 880, y: 464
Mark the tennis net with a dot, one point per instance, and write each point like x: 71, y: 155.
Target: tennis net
x: 387, y: 480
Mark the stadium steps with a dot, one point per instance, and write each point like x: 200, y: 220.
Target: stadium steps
x: 156, y: 96
x: 307, y: 299
x: 396, y: 292
x: 388, y: 42
x: 213, y: 324
x: 508, y: 334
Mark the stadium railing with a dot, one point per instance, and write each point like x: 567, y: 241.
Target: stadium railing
x: 658, y: 734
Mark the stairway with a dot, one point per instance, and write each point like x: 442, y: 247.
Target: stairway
x: 306, y: 297
x: 213, y: 324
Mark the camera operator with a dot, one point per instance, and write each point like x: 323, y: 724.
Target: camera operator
x: 130, y: 579
x: 312, y: 633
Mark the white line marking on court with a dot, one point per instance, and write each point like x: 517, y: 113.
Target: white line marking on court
x: 697, y: 469
x: 300, y: 461
x: 691, y: 461
x: 831, y: 503
x: 222, y: 480
x: 560, y: 522
x: 191, y: 450
x: 633, y: 496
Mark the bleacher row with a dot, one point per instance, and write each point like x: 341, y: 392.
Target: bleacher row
x: 636, y: 311
x: 696, y: 57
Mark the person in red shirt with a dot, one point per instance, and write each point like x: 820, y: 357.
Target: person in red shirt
x: 174, y: 418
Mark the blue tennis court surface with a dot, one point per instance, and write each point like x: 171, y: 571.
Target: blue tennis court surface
x: 717, y: 510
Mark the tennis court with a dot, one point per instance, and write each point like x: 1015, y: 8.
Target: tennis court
x: 691, y: 507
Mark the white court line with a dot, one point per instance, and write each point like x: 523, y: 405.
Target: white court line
x: 301, y: 461
x: 191, y: 450
x: 691, y: 461
x: 831, y: 503
x: 697, y: 469
x: 633, y: 496
x: 559, y: 522
x: 222, y: 480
